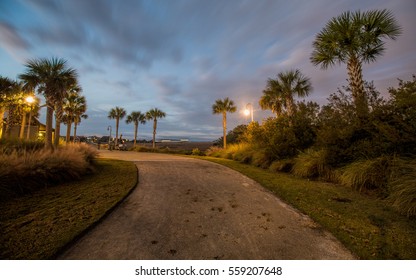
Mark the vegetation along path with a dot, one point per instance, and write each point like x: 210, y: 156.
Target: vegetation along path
x: 185, y: 208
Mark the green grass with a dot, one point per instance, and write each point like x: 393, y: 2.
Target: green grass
x: 37, y: 226
x: 366, y: 225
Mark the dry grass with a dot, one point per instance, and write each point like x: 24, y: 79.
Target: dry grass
x: 26, y: 170
x: 37, y: 226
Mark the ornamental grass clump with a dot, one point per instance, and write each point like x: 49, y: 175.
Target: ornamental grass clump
x: 24, y: 171
x: 402, y: 187
x: 313, y: 164
x: 370, y: 174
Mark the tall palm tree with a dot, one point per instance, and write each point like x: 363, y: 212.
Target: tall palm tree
x: 79, y: 114
x: 155, y: 114
x: 279, y: 93
x: 355, y: 38
x: 51, y: 77
x: 117, y: 113
x: 74, y: 108
x: 59, y: 103
x: 136, y: 118
x: 222, y: 107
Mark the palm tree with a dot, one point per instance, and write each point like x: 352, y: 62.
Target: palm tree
x: 52, y: 78
x: 117, y: 113
x: 77, y: 119
x: 155, y: 114
x: 354, y: 38
x: 222, y: 107
x: 74, y: 108
x: 278, y: 95
x: 59, y: 103
x: 136, y: 118
x: 5, y: 92
x: 7, y: 102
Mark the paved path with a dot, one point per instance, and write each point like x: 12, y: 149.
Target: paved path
x: 186, y: 208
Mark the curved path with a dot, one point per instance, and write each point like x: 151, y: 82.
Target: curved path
x: 185, y: 208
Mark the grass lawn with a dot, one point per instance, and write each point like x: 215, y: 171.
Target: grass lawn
x: 364, y: 224
x: 37, y: 226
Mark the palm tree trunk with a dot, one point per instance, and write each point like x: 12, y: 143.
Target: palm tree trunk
x: 57, y: 132
x: 224, y: 128
x: 117, y: 123
x: 68, y: 130
x: 1, y: 122
x: 58, y: 121
x: 136, y: 125
x: 75, y: 130
x: 9, y: 121
x: 154, y: 132
x: 22, y: 126
x: 357, y: 87
x: 49, y: 120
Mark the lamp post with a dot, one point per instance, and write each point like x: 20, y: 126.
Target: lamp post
x: 30, y: 99
x: 109, y: 139
x: 249, y: 111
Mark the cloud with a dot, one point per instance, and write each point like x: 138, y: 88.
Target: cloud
x: 12, y: 42
x: 180, y: 56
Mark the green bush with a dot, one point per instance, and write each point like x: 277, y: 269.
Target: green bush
x: 313, y: 164
x: 284, y: 165
x: 402, y: 187
x: 197, y: 152
x: 371, y: 174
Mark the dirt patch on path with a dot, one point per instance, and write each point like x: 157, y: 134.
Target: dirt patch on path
x: 192, y: 209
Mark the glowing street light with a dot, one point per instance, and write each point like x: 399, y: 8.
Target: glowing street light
x: 30, y: 100
x: 249, y: 111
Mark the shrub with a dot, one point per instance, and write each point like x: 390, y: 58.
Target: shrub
x: 367, y: 174
x: 284, y: 165
x: 213, y: 151
x: 243, y: 153
x: 403, y: 187
x: 312, y: 164
x: 28, y: 170
x: 197, y: 152
x: 261, y: 158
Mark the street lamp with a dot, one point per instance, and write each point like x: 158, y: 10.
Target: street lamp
x: 30, y: 99
x: 249, y: 111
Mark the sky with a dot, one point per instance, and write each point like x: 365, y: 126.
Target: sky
x: 182, y: 55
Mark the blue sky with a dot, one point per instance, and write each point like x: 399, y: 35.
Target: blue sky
x: 182, y: 55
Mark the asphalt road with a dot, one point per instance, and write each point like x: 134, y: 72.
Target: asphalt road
x: 186, y: 208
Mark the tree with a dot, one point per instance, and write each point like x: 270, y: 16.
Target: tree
x: 279, y: 93
x: 77, y: 120
x: 6, y: 86
x: 355, y: 38
x: 136, y: 118
x: 51, y: 77
x: 117, y: 113
x: 11, y: 95
x: 155, y: 114
x: 222, y: 107
x: 74, y: 108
